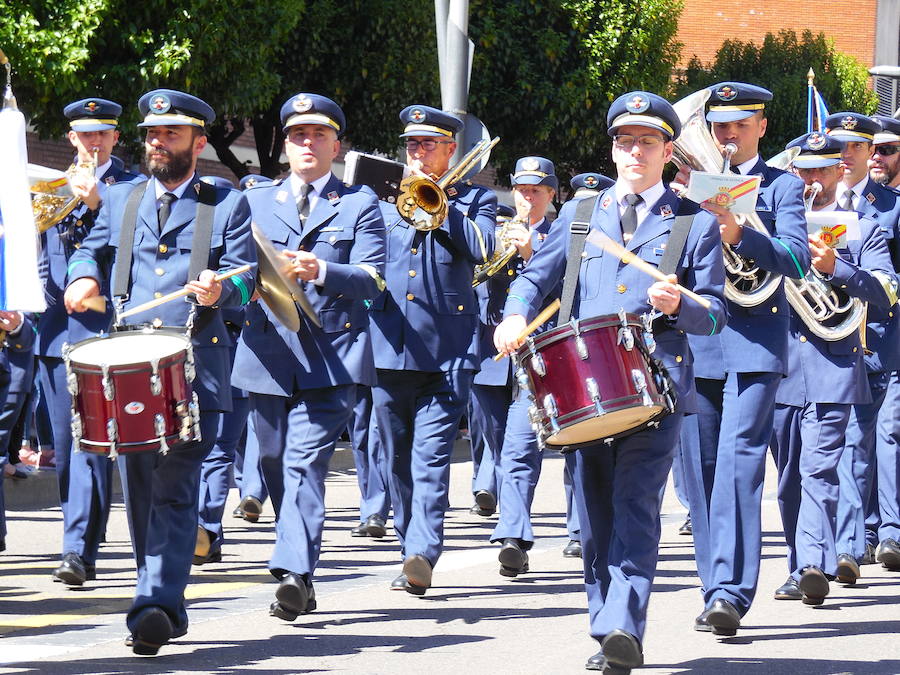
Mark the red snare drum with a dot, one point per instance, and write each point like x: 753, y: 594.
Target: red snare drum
x: 131, y: 392
x: 594, y: 380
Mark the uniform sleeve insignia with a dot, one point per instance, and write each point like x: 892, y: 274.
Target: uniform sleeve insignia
x: 870, y: 198
x: 160, y: 104
x: 417, y: 115
x: 849, y: 123
x: 637, y: 104
x: 281, y: 197
x: 727, y: 93
x: 816, y: 141
x: 606, y: 202
x: 665, y: 210
x: 302, y: 103
x: 452, y: 192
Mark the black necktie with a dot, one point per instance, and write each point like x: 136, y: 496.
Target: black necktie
x: 848, y: 201
x: 303, y: 202
x: 165, y: 208
x: 629, y: 216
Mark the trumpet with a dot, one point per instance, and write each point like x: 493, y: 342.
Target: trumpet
x: 504, y: 251
x: 423, y: 202
x: 52, y: 198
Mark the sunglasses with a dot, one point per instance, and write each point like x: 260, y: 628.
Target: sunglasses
x: 887, y: 150
x: 427, y: 145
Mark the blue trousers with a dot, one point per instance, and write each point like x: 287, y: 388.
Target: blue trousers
x: 161, y: 496
x: 418, y: 416
x: 520, y: 470
x: 247, y: 471
x: 618, y: 493
x: 215, y: 473
x: 572, y: 526
x: 297, y: 436
x: 887, y: 451
x: 726, y: 515
x: 85, y: 479
x: 371, y: 465
x: 807, y: 444
x: 856, y: 471
x: 488, y: 409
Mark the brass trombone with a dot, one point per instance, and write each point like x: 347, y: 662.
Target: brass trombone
x: 423, y: 202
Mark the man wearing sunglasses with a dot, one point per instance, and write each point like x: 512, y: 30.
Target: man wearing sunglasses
x: 872, y: 434
x: 884, y: 167
x: 424, y: 336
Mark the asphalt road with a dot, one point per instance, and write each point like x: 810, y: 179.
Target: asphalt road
x: 472, y: 621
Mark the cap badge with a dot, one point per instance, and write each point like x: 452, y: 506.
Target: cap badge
x: 417, y: 115
x: 91, y: 106
x: 160, y: 104
x: 727, y: 93
x: 637, y: 104
x: 849, y: 123
x: 816, y: 141
x: 530, y: 164
x: 591, y: 181
x: 302, y: 103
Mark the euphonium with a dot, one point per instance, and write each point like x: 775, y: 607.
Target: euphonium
x: 52, y: 198
x: 828, y: 312
x: 423, y: 202
x: 745, y: 283
x: 504, y: 251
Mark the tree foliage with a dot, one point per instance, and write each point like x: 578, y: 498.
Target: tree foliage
x: 780, y: 64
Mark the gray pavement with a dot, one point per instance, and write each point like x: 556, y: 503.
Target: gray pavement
x: 473, y: 620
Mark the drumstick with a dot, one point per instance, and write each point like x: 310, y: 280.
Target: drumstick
x: 629, y: 258
x: 179, y: 294
x: 96, y: 303
x: 548, y: 311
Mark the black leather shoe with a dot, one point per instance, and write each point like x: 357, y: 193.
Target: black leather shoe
x: 294, y: 596
x: 359, y: 530
x: 814, y: 586
x: 686, y: 527
x: 701, y: 624
x: 596, y: 662
x: 789, y: 590
x: 417, y: 570
x: 374, y: 527
x: 513, y: 560
x: 869, y: 556
x: 847, y: 569
x: 72, y: 571
x: 622, y: 651
x: 250, y: 508
x: 485, y: 504
x: 211, y: 557
x: 399, y: 584
x: 723, y: 618
x: 572, y: 549
x: 888, y: 554
x: 129, y: 641
x: 152, y: 629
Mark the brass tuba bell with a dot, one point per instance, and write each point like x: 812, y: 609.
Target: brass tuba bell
x: 52, y: 198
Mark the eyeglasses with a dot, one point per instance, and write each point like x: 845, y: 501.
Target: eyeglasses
x: 887, y: 150
x: 646, y: 142
x: 427, y: 145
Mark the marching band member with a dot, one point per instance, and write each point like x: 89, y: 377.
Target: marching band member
x: 424, y: 333
x: 161, y: 490
x: 589, y: 183
x: 884, y: 166
x: 534, y: 186
x: 825, y: 379
x: 619, y: 486
x: 738, y: 372
x: 492, y: 385
x: 302, y: 384
x: 867, y: 494
x: 85, y: 479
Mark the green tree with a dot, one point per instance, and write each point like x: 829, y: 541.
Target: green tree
x: 780, y: 64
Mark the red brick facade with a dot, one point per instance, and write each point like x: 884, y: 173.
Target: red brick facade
x: 705, y: 24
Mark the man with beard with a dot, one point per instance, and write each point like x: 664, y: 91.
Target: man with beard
x: 85, y: 480
x: 174, y: 213
x: 884, y: 167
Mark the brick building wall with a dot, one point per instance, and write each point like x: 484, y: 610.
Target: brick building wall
x: 705, y: 24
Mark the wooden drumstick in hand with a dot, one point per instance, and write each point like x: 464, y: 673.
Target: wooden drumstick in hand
x: 180, y: 293
x: 547, y: 312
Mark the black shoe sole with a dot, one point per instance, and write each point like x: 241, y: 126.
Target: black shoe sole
x: 418, y: 575
x: 513, y: 571
x: 702, y: 627
x: 723, y: 623
x: 789, y: 596
x: 814, y: 589
x: 847, y: 574
x: 294, y: 600
x: 890, y: 561
x: 375, y: 531
x: 512, y: 558
x: 152, y: 632
x: 486, y: 502
x: 622, y: 652
x: 69, y: 578
x: 211, y: 558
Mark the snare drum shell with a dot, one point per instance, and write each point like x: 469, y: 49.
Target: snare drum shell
x: 134, y: 405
